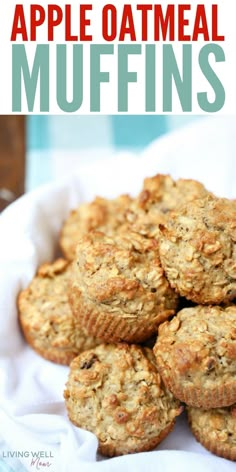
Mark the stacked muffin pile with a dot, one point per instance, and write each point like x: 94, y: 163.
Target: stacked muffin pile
x: 128, y: 264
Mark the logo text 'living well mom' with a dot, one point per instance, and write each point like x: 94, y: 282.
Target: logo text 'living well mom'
x: 38, y: 460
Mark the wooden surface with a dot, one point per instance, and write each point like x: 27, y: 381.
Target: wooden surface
x: 12, y: 158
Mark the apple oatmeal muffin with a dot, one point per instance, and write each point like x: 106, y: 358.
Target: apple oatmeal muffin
x: 101, y: 214
x: 116, y: 392
x: 198, y: 250
x: 160, y: 195
x: 215, y: 429
x: 196, y: 356
x: 45, y: 315
x: 119, y: 291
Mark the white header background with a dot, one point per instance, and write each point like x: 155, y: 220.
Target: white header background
x: 226, y: 71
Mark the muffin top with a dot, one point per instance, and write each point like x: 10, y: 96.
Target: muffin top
x: 197, y: 349
x: 100, y: 214
x: 198, y: 250
x: 123, y: 275
x: 160, y: 195
x: 116, y: 392
x: 46, y: 318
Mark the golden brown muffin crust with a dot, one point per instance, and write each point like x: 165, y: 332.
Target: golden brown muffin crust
x: 198, y: 250
x: 116, y: 392
x: 196, y: 355
x: 46, y: 318
x: 119, y: 290
x: 101, y: 214
x: 215, y: 429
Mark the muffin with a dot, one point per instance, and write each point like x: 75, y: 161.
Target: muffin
x: 100, y: 214
x: 196, y: 356
x: 215, y: 429
x: 116, y: 392
x: 160, y: 195
x: 198, y: 250
x: 119, y: 291
x: 46, y: 318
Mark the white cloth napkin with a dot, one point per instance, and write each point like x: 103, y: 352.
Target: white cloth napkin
x: 32, y: 412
